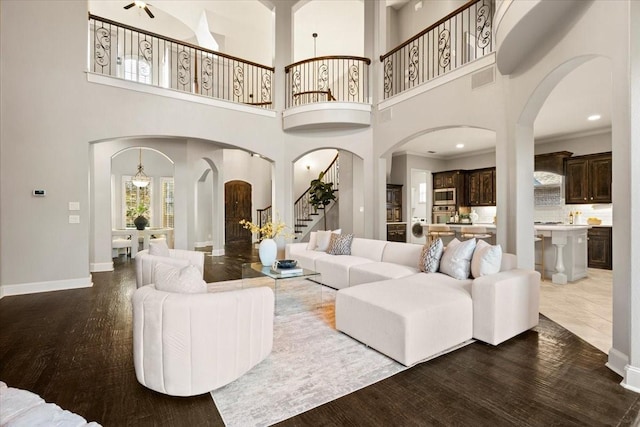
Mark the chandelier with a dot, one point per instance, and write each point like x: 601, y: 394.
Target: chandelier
x: 141, y: 179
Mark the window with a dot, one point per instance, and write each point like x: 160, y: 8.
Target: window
x: 167, y: 202
x: 132, y: 197
x: 138, y: 70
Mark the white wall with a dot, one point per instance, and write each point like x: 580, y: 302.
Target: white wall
x: 579, y: 145
x: 410, y: 21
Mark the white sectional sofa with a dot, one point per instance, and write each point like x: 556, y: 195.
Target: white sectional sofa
x: 386, y: 303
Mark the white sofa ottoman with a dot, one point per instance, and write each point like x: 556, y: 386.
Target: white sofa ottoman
x: 408, y: 319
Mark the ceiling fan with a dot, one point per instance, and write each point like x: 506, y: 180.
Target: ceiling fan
x: 141, y: 5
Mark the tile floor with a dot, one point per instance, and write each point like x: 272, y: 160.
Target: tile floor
x: 583, y: 307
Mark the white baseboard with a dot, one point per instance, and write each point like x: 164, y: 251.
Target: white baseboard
x: 217, y: 252
x: 53, y: 285
x: 617, y: 361
x: 96, y: 267
x: 203, y: 244
x: 631, y: 378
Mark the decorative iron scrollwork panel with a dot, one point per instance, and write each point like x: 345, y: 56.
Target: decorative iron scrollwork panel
x: 238, y: 81
x: 354, y: 80
x: 444, y: 48
x: 414, y: 63
x: 323, y: 77
x: 483, y: 28
x: 184, y: 67
x: 102, y: 52
x: 388, y: 75
x: 207, y: 73
x: 265, y: 90
x: 296, y: 81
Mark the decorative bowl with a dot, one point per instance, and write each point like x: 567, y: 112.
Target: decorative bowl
x: 286, y: 263
x: 594, y: 221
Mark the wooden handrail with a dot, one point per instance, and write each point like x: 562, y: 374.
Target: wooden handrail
x: 322, y: 58
x: 330, y: 97
x: 169, y: 39
x: 426, y: 30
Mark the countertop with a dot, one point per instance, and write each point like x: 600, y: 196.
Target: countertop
x: 561, y: 227
x: 488, y: 226
x: 396, y: 223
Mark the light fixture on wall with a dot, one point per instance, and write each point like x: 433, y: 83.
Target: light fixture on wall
x: 141, y: 179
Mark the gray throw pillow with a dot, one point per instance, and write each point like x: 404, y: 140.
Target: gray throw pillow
x: 456, y: 260
x: 430, y: 256
x: 340, y: 244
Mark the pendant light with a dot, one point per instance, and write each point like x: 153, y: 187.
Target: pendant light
x: 141, y: 179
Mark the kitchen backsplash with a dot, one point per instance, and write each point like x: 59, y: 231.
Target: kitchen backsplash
x: 561, y: 213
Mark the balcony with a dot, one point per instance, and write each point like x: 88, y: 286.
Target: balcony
x: 131, y: 54
x: 460, y: 38
x: 329, y: 91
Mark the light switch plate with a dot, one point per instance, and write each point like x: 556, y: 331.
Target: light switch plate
x: 74, y: 206
x: 74, y: 219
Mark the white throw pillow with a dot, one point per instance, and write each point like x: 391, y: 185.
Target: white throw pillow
x: 323, y: 237
x: 313, y: 241
x: 186, y: 280
x: 159, y: 248
x: 430, y: 256
x: 486, y: 259
x: 456, y: 260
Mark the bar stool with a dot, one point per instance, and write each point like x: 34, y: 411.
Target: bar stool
x: 540, y: 238
x: 475, y: 231
x: 439, y: 230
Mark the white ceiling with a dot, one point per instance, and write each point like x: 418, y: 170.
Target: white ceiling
x: 586, y: 91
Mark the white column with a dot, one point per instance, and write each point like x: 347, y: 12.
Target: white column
x: 559, y: 239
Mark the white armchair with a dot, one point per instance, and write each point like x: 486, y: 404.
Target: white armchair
x: 145, y: 263
x: 189, y: 344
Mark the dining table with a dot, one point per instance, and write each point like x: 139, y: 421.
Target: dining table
x: 144, y: 236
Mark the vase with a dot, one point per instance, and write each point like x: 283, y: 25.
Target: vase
x: 268, y: 250
x: 141, y: 222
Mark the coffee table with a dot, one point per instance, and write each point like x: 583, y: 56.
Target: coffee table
x: 292, y: 292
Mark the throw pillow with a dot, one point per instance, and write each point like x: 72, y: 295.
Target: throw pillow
x: 313, y: 240
x: 159, y: 248
x: 486, y: 259
x: 323, y: 237
x: 456, y: 260
x: 430, y: 256
x: 340, y: 244
x: 186, y: 280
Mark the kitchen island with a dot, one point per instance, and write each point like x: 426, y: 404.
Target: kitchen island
x: 571, y: 250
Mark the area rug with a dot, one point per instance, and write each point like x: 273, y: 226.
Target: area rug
x: 311, y: 363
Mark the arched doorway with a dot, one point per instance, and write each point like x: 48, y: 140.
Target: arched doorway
x: 237, y: 206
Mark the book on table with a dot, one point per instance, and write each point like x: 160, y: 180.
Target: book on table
x: 287, y: 271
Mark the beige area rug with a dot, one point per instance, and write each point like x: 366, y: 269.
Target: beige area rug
x: 311, y: 363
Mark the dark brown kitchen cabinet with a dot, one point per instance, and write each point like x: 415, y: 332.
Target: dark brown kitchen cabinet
x: 394, y: 203
x: 448, y: 179
x: 588, y: 179
x: 481, y: 187
x: 397, y: 233
x: 551, y: 162
x: 599, y: 248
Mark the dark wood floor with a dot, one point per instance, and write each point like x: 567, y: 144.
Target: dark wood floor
x: 74, y: 348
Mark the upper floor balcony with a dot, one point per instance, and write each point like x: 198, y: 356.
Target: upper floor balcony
x: 320, y: 92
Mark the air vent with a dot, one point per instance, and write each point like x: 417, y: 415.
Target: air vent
x: 482, y: 78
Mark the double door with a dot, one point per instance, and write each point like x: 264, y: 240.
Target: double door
x: 481, y: 187
x: 588, y: 179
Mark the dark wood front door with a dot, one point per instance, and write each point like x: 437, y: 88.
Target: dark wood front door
x: 237, y: 206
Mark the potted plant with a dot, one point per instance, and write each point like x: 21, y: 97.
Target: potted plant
x: 139, y: 213
x: 321, y: 194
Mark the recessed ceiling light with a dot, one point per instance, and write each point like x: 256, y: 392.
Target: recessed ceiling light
x: 594, y: 117
x: 459, y: 145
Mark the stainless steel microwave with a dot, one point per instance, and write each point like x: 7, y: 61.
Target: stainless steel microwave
x: 444, y: 196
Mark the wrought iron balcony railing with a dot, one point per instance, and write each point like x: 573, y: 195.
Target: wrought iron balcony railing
x: 458, y: 38
x: 327, y: 78
x: 119, y: 50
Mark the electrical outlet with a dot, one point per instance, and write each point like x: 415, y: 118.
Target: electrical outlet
x: 74, y: 219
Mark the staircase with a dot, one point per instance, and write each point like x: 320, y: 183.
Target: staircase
x: 304, y: 215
